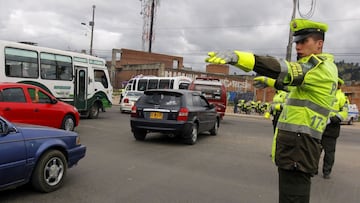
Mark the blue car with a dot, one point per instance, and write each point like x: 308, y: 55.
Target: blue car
x: 37, y: 155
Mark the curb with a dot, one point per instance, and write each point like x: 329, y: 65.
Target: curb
x: 246, y: 115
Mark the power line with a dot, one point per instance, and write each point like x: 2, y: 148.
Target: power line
x: 310, y: 13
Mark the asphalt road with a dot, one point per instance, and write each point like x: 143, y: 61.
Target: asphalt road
x: 233, y: 166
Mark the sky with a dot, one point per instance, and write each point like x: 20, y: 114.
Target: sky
x: 186, y: 28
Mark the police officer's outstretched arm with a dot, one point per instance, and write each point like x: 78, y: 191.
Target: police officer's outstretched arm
x: 276, y: 72
x: 246, y: 61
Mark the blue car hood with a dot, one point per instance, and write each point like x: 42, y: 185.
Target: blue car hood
x: 41, y: 131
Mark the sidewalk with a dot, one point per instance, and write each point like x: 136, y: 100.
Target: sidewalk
x: 230, y: 112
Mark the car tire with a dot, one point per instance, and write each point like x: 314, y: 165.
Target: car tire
x: 350, y: 122
x: 49, y: 172
x: 139, y: 135
x: 215, y: 128
x: 68, y: 123
x: 94, y: 111
x: 191, y: 138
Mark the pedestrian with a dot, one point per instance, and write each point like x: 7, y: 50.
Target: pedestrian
x: 297, y: 147
x: 332, y: 130
x: 277, y: 106
x: 236, y: 101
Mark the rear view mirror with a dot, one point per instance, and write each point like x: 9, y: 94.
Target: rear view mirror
x: 54, y: 101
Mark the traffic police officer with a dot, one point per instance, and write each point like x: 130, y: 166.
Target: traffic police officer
x: 332, y: 130
x: 302, y: 121
x: 277, y: 106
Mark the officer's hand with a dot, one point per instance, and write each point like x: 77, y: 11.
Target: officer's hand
x: 267, y: 115
x: 278, y: 107
x: 243, y: 60
x: 222, y: 58
x: 335, y: 119
x: 262, y: 82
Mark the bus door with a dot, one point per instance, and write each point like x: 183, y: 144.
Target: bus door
x: 80, y: 88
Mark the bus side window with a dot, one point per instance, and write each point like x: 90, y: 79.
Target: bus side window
x: 142, y: 84
x: 164, y: 84
x: 153, y: 84
x: 184, y: 86
x: 101, y: 77
x: 65, y: 73
x: 48, y: 71
x: 21, y: 63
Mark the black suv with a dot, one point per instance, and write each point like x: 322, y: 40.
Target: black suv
x: 182, y: 113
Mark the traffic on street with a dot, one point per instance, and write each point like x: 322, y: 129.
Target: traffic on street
x: 233, y: 166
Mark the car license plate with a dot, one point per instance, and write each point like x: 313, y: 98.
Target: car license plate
x: 156, y: 115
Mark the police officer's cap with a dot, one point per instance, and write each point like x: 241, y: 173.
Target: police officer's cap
x: 302, y: 28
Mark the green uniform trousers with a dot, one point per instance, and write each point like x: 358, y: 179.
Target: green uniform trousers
x: 294, y: 186
x: 328, y: 142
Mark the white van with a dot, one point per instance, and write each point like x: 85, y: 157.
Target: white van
x: 353, y: 114
x: 143, y: 83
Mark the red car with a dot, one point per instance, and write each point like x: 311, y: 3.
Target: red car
x: 24, y: 103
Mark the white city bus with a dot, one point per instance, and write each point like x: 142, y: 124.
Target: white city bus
x: 142, y: 83
x: 79, y: 79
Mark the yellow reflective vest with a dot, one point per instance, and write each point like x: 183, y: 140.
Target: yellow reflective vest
x: 278, y: 101
x: 308, y: 106
x: 307, y: 109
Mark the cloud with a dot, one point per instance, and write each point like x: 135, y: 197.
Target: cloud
x: 184, y: 28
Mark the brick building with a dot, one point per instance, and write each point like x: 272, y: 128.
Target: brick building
x: 353, y: 93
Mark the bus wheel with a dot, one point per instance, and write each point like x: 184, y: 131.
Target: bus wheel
x: 94, y: 111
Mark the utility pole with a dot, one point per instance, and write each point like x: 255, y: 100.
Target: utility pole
x: 289, y: 46
x: 151, y: 23
x: 148, y: 11
x: 92, y: 23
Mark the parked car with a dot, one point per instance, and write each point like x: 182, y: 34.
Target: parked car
x: 128, y: 100
x: 353, y: 114
x: 36, y: 154
x: 25, y: 103
x: 183, y: 113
